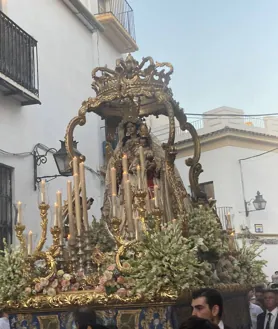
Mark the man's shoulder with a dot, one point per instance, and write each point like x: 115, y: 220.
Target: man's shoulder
x: 226, y: 327
x: 261, y: 315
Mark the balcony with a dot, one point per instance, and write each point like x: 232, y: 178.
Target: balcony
x: 117, y: 18
x: 18, y: 63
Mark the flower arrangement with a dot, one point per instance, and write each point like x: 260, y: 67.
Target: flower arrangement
x: 113, y: 282
x: 206, y: 232
x: 61, y: 282
x: 168, y: 263
x: 12, y: 276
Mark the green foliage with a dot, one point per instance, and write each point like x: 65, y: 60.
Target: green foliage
x: 167, y: 263
x: 250, y: 263
x: 12, y: 280
x: 205, y: 231
x: 100, y: 236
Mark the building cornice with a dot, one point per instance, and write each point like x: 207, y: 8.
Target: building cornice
x: 228, y: 136
x: 83, y: 14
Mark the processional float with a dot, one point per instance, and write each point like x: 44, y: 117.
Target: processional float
x: 143, y: 194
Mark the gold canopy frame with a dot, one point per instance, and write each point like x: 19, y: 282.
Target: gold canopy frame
x: 140, y: 89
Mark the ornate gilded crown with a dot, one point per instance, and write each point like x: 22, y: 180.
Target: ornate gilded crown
x: 129, y: 75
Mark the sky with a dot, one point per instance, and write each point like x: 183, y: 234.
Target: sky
x: 224, y: 52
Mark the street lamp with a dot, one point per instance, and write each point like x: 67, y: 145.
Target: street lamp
x: 62, y: 159
x: 259, y: 203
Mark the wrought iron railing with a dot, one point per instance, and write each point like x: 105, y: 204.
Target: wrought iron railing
x: 18, y: 55
x: 6, y: 221
x: 122, y: 10
x: 222, y: 212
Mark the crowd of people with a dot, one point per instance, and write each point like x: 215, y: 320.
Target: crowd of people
x: 207, y: 310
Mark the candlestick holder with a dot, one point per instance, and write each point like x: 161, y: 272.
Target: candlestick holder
x: 115, y: 225
x: 88, y: 253
x: 19, y: 229
x: 61, y: 259
x: 54, y: 249
x: 43, y: 207
x: 72, y: 255
x: 80, y: 254
x: 140, y: 206
x: 157, y: 213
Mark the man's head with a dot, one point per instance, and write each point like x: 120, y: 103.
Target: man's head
x: 3, y: 313
x: 276, y: 272
x: 270, y: 300
x: 259, y: 293
x: 207, y: 304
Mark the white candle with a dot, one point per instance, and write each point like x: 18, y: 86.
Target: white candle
x: 113, y: 182
x: 142, y: 159
x: 156, y: 196
x: 59, y: 203
x: 229, y: 224
x: 139, y: 185
x: 70, y: 212
x: 128, y: 203
x: 43, y: 191
x: 75, y: 165
x: 30, y: 243
x: 56, y: 215
x: 84, y: 195
x: 124, y: 162
x: 77, y: 203
x: 19, y: 213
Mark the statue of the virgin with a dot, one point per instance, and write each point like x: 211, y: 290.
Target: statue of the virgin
x: 134, y: 139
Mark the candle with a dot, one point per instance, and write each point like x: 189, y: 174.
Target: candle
x: 229, y: 224
x: 59, y: 203
x: 128, y: 204
x: 19, y: 213
x: 124, y: 162
x: 77, y: 204
x: 75, y: 165
x: 142, y: 159
x: 43, y: 191
x: 156, y: 196
x: 30, y: 243
x: 84, y: 195
x: 124, y: 178
x: 70, y: 212
x: 56, y: 214
x: 139, y: 177
x: 113, y: 182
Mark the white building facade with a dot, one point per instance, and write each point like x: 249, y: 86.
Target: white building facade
x: 239, y: 157
x: 48, y: 49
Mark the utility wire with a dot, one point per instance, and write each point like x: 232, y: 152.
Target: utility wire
x: 230, y: 115
x: 258, y: 155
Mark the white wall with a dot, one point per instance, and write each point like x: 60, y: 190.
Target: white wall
x: 67, y: 54
x: 222, y: 167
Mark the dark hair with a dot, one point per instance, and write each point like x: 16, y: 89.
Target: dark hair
x: 3, y: 311
x: 85, y: 316
x: 265, y: 291
x: 198, y: 323
x: 213, y: 297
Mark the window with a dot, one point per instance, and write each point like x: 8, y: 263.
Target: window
x: 6, y: 221
x: 208, y: 188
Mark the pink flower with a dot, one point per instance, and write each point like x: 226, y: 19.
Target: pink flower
x: 111, y: 267
x: 28, y: 291
x: 121, y: 292
x: 75, y: 286
x: 121, y: 280
x: 110, y: 283
x: 126, y: 265
x: 54, y: 284
x: 65, y: 283
x: 102, y: 280
x: 44, y: 282
x: 108, y: 275
x: 100, y: 289
x: 38, y: 287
